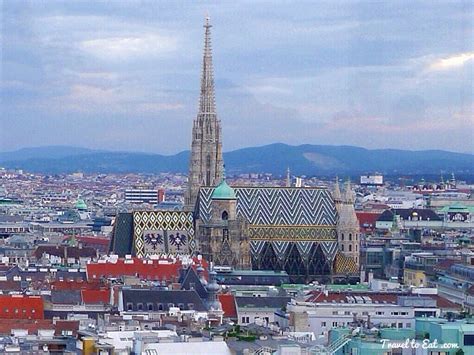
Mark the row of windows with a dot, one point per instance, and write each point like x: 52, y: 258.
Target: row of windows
x: 379, y: 313
x: 356, y: 236
x: 157, y: 307
x: 16, y: 310
x: 350, y: 247
x: 246, y: 319
x: 343, y: 324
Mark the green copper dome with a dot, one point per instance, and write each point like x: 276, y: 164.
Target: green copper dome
x: 80, y: 204
x: 223, y: 192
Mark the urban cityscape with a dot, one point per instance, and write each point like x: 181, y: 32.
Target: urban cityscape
x: 211, y: 252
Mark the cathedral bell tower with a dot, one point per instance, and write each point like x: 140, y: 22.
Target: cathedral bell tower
x: 206, y: 164
x: 348, y: 229
x: 224, y: 239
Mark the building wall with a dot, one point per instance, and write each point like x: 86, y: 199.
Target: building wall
x: 414, y: 277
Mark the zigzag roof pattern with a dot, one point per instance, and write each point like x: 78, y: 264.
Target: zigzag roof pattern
x: 277, y: 206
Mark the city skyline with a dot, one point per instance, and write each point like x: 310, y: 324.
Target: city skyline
x: 108, y: 75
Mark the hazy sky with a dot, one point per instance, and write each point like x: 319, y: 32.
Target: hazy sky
x: 124, y: 75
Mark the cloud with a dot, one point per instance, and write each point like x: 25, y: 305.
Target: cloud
x: 451, y: 62
x: 119, y: 48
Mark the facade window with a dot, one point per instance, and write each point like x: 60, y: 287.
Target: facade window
x: 181, y: 306
x: 225, y: 216
x: 140, y: 306
x: 323, y: 324
x: 150, y: 306
x: 350, y: 236
x: 350, y: 247
x: 190, y: 305
x: 408, y: 325
x: 160, y: 306
x: 342, y: 247
x: 334, y: 324
x: 129, y: 306
x: 342, y: 236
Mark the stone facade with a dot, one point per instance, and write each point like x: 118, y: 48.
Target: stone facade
x: 224, y: 238
x: 348, y: 229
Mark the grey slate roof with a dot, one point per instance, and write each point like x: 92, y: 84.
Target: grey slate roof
x: 405, y: 213
x: 262, y: 302
x: 122, y: 237
x: 66, y: 296
x: 157, y: 300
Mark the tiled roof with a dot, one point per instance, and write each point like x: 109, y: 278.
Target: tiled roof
x: 155, y: 298
x: 145, y: 269
x: 76, y: 285
x: 63, y: 251
x: 21, y: 307
x: 31, y: 325
x: 345, y: 265
x: 227, y: 301
x: 96, y: 296
x: 66, y: 296
x: 372, y: 297
x: 367, y: 219
x: 407, y: 213
x: 262, y: 302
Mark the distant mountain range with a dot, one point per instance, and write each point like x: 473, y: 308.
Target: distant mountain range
x: 310, y: 160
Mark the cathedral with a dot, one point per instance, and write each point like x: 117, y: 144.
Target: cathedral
x: 309, y: 232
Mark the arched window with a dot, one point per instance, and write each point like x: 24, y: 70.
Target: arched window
x: 225, y: 216
x: 342, y: 247
x: 350, y: 247
x: 342, y: 236
x: 350, y: 236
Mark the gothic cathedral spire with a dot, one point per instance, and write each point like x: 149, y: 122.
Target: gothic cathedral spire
x: 206, y: 163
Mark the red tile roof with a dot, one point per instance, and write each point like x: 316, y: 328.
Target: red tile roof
x: 31, y: 325
x: 96, y: 296
x: 77, y: 285
x: 21, y: 307
x: 227, y: 301
x: 162, y: 269
x: 61, y: 325
x: 367, y: 219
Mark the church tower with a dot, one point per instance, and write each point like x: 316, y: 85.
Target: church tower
x: 206, y: 163
x: 348, y: 229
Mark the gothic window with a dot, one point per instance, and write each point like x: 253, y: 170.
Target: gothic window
x: 225, y: 216
x: 350, y: 247
x: 208, y: 170
x: 225, y: 235
x: 350, y: 236
x: 342, y: 247
x: 342, y: 236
